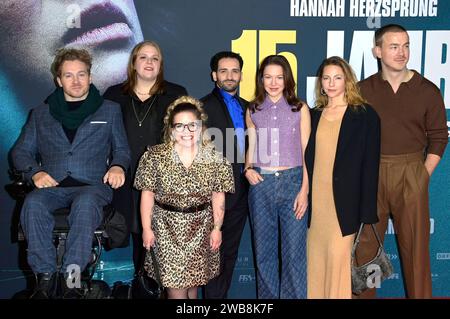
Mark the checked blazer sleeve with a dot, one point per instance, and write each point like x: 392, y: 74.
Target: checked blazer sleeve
x: 25, y: 151
x: 120, y: 148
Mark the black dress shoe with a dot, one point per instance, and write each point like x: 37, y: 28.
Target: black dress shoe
x: 73, y: 293
x: 67, y: 290
x: 45, y: 286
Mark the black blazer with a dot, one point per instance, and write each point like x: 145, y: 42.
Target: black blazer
x: 219, y: 117
x: 355, y: 171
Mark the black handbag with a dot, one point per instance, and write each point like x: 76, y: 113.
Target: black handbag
x: 145, y: 287
x: 117, y: 232
x: 379, y: 266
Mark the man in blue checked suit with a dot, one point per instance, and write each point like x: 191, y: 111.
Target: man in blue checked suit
x: 75, y: 151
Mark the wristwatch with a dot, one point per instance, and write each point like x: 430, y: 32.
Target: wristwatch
x: 217, y: 227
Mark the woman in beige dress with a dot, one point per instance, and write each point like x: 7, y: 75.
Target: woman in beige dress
x: 342, y: 159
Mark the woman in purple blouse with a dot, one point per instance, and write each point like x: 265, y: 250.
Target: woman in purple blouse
x: 278, y: 130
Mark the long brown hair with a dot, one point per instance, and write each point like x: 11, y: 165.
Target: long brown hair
x: 130, y: 83
x: 352, y: 93
x: 289, y: 83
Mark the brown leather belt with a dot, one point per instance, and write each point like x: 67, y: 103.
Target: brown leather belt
x: 188, y: 210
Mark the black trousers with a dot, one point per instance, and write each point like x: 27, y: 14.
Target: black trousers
x: 232, y: 228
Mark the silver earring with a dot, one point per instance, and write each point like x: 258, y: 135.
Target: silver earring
x: 322, y: 91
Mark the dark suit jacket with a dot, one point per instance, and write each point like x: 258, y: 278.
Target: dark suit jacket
x: 100, y: 142
x: 219, y: 117
x: 355, y: 172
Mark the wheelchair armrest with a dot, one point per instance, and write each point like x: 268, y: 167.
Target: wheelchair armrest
x: 19, y: 187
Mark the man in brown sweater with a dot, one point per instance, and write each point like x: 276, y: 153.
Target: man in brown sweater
x: 413, y: 139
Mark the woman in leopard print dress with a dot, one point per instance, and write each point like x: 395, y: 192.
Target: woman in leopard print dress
x: 183, y: 183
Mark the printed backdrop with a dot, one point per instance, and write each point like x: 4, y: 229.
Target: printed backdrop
x: 190, y: 32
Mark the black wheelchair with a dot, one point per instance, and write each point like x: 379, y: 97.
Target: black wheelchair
x: 111, y: 233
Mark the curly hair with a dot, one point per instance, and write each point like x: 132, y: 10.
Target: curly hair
x: 185, y: 104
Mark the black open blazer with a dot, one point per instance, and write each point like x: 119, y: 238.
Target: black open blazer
x: 355, y: 171
x: 219, y: 117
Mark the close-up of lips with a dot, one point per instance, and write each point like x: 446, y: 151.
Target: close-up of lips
x: 101, y: 24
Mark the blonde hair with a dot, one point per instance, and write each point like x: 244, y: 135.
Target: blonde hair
x: 352, y: 93
x: 185, y: 104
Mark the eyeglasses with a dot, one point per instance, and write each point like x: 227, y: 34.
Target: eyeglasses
x: 192, y: 126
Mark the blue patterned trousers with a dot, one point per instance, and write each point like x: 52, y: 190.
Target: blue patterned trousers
x: 86, y: 213
x: 274, y: 224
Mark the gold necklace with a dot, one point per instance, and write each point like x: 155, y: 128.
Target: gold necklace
x: 146, y: 113
x: 141, y: 93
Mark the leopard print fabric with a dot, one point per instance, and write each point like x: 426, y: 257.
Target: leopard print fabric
x: 182, y: 239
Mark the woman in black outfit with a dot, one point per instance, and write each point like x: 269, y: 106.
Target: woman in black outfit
x: 144, y: 98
